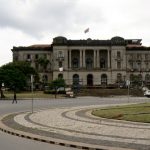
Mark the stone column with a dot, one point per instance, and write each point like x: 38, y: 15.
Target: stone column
x: 108, y: 61
x: 94, y: 58
x: 70, y: 58
x: 81, y: 65
x: 98, y: 59
x: 110, y: 58
x: 84, y: 58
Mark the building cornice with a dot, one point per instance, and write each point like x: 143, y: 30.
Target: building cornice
x: 32, y: 48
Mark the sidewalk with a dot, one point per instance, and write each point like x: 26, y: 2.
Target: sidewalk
x: 77, y: 126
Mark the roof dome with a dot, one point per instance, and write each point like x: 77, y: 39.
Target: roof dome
x: 59, y: 40
x: 117, y: 40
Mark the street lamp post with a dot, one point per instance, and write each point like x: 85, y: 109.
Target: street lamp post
x: 2, y: 84
x: 128, y: 84
x: 60, y: 70
x: 2, y: 88
x: 32, y: 92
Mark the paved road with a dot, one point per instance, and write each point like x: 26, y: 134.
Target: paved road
x: 8, y: 142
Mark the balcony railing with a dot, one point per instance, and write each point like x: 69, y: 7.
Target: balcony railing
x: 60, y: 58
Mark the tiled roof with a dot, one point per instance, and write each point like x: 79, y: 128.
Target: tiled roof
x: 134, y: 45
x: 40, y: 45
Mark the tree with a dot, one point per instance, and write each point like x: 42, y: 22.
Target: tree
x: 43, y: 62
x: 58, y: 83
x: 15, y: 75
x: 136, y: 80
x: 23, y: 66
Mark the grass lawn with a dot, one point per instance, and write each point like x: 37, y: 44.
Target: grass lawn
x: 26, y: 95
x: 110, y: 92
x: 135, y: 112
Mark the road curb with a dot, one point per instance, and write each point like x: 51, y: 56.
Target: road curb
x: 51, y: 140
x: 14, y: 132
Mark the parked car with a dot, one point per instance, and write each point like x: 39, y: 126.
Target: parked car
x: 147, y: 93
x: 144, y: 89
x: 60, y: 90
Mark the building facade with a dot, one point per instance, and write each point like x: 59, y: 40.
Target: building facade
x: 89, y: 62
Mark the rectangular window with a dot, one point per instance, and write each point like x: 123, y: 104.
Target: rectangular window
x: 131, y: 56
x: 15, y: 57
x: 139, y: 65
x: 134, y: 56
x: 118, y: 55
x: 139, y: 56
x: 28, y: 56
x: 36, y: 56
x: 60, y: 64
x: 118, y: 65
x: 146, y: 65
x: 60, y: 54
x: 131, y: 65
x: 146, y: 56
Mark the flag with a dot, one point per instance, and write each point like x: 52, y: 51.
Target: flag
x: 87, y: 30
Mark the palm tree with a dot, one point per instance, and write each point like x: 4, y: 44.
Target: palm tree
x: 43, y: 62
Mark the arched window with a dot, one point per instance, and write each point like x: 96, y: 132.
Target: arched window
x: 75, y: 79
x: 119, y: 77
x: 60, y: 76
x: 89, y: 63
x: 45, y: 78
x: 147, y: 77
x: 139, y: 77
x: 75, y: 63
x: 104, y: 79
x: 131, y: 77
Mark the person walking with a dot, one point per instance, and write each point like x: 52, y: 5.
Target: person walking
x: 15, y: 98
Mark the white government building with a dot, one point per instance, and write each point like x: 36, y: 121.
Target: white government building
x: 90, y: 62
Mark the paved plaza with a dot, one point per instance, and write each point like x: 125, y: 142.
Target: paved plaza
x: 76, y: 124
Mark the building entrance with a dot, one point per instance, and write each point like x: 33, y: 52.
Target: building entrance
x: 90, y: 80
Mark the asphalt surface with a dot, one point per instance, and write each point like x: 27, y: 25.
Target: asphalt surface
x: 25, y: 105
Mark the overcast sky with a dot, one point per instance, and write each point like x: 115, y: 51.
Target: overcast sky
x: 28, y: 22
